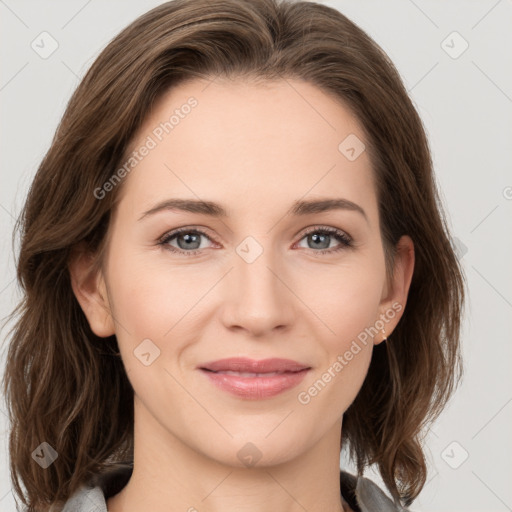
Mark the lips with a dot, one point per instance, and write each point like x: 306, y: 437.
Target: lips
x: 252, y: 367
x: 254, y: 380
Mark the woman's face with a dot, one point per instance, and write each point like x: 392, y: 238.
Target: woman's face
x: 258, y: 281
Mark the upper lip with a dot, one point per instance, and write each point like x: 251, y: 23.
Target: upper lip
x: 244, y: 364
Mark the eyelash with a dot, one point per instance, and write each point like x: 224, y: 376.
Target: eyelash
x: 346, y: 241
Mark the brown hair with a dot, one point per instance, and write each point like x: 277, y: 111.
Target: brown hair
x: 58, y: 371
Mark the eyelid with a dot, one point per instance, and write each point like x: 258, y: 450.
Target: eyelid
x: 186, y: 229
x: 321, y: 227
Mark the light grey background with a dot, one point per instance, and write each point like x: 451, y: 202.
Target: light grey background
x: 466, y: 104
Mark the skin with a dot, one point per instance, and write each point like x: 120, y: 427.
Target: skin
x: 255, y: 148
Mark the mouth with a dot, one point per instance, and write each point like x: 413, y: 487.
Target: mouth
x: 254, y: 380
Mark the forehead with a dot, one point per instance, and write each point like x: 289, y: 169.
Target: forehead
x: 244, y: 143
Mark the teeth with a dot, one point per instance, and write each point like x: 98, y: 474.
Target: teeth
x: 249, y: 374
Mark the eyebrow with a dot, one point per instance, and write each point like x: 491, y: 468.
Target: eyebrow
x: 216, y: 210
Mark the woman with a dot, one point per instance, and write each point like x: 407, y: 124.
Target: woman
x: 234, y: 264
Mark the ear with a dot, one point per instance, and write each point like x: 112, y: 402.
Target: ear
x: 394, y: 297
x: 90, y: 290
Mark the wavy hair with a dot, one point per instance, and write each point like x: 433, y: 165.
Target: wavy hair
x: 58, y: 371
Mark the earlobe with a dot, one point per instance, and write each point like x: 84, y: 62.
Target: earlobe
x: 90, y: 291
x: 392, y: 306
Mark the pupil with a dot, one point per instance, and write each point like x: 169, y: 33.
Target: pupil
x: 189, y: 238
x: 324, y: 236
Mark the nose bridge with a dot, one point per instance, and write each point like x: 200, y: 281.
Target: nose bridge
x: 260, y: 299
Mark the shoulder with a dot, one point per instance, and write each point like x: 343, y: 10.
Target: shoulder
x: 92, y: 497
x: 363, y: 495
x: 86, y: 499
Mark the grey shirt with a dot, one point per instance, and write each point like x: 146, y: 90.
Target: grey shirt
x: 360, y: 493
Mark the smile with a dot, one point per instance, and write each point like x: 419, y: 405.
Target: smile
x: 255, y: 386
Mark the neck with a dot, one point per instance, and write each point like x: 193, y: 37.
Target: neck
x: 171, y: 470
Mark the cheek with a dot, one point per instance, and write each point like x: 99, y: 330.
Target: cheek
x: 149, y: 308
x: 147, y: 302
x: 346, y: 300
x: 348, y: 309
x: 150, y: 297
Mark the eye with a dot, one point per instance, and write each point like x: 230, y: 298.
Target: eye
x: 188, y: 240
x: 320, y: 238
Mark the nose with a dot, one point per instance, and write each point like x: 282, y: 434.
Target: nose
x: 259, y: 300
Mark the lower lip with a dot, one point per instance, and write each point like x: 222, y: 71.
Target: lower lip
x: 256, y: 388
